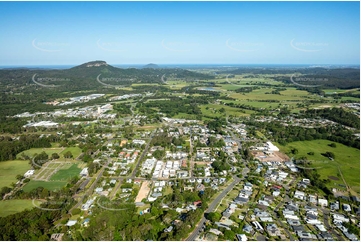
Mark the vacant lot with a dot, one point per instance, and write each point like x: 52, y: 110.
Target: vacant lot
x: 143, y: 192
x: 9, y: 170
x: 52, y: 185
x: 8, y: 207
x: 346, y: 158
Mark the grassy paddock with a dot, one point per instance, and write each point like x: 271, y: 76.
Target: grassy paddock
x: 8, y: 207
x: 346, y: 158
x: 9, y: 170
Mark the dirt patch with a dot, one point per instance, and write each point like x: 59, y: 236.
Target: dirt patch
x: 334, y: 178
x: 143, y: 192
x: 284, y: 157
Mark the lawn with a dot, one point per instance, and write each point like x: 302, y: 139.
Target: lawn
x: 9, y: 170
x: 65, y: 174
x: 346, y: 158
x: 8, y: 207
x: 52, y: 185
x: 76, y: 151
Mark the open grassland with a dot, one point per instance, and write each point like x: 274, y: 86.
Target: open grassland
x: 66, y: 173
x: 8, y: 207
x: 213, y: 110
x: 346, y: 158
x: 52, y: 185
x: 260, y: 94
x: 10, y: 169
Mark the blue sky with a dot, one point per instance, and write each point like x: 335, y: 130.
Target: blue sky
x: 61, y: 33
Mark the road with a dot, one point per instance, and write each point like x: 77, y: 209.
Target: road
x: 90, y: 190
x: 145, y: 151
x: 211, y: 207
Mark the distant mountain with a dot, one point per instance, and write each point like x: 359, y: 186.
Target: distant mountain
x: 151, y: 65
x: 94, y: 74
x: 93, y: 64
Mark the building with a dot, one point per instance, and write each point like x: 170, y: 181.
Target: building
x: 29, y: 173
x: 322, y: 202
x: 84, y: 172
x: 241, y: 237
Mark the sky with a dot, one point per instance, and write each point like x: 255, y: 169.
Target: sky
x: 67, y: 33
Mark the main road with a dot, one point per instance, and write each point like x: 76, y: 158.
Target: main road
x: 211, y: 207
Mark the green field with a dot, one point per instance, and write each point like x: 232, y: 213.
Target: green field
x: 52, y: 185
x: 33, y: 151
x: 8, y: 207
x: 76, y: 151
x: 65, y: 174
x: 9, y: 170
x: 346, y: 158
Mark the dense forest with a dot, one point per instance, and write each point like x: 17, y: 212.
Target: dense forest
x: 9, y: 147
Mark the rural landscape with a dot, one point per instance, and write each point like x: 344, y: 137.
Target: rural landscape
x: 209, y: 153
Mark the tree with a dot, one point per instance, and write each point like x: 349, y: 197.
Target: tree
x: 214, y: 216
x: 68, y: 154
x: 55, y: 156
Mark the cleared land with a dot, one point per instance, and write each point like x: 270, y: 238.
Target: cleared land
x: 346, y: 158
x: 10, y: 169
x: 8, y: 207
x: 143, y: 192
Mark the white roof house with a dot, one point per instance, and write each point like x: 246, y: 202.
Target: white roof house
x: 322, y: 202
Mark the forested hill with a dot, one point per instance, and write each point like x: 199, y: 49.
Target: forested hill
x: 84, y: 76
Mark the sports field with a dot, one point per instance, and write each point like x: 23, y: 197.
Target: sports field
x: 66, y: 174
x: 51, y: 185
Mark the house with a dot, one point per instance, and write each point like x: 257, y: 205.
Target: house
x: 71, y: 223
x: 247, y: 229
x: 335, y: 206
x: 312, y: 199
x: 29, y: 173
x: 299, y: 195
x: 84, y: 172
x: 304, y: 235
x: 273, y: 230
x: 57, y: 237
x: 346, y: 207
x: 241, y: 237
x: 215, y: 231
x: 322, y: 202
x: 169, y: 229
x: 258, y: 226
